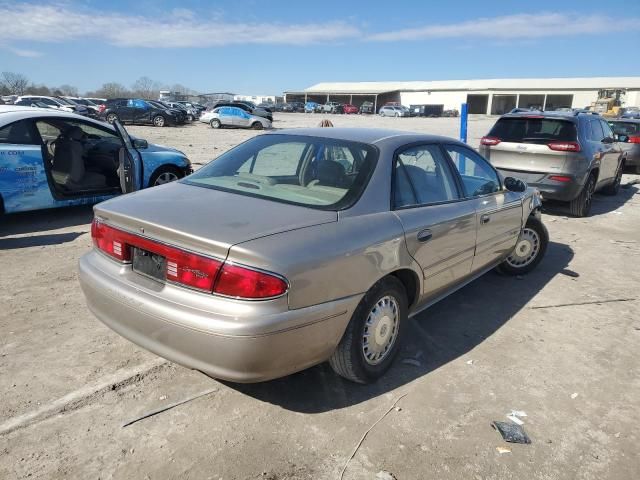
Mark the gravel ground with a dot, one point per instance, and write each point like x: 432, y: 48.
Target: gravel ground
x: 561, y: 344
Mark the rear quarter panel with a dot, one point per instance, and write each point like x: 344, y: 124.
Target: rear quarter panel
x: 331, y: 261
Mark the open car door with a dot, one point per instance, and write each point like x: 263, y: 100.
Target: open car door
x: 130, y: 163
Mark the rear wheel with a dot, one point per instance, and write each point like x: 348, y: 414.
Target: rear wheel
x: 158, y: 121
x: 165, y: 174
x: 215, y: 123
x: 374, y: 334
x: 614, y: 188
x: 531, y: 247
x: 111, y: 117
x: 257, y: 126
x: 581, y: 205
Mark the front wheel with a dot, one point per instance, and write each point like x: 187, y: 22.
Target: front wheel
x: 531, y: 247
x: 158, y: 121
x: 215, y: 123
x: 581, y: 205
x: 257, y: 126
x: 112, y: 117
x: 165, y: 174
x: 374, y: 334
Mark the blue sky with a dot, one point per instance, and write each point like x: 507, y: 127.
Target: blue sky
x: 260, y: 47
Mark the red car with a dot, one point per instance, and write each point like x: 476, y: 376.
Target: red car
x: 348, y: 108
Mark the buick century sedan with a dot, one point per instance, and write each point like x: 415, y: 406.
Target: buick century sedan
x: 304, y: 246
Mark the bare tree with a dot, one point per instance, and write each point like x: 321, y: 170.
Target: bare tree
x: 144, y: 87
x: 38, y: 90
x: 16, y: 83
x: 68, y: 90
x: 111, y: 90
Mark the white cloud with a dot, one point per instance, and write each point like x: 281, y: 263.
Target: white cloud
x: 512, y: 27
x: 59, y: 23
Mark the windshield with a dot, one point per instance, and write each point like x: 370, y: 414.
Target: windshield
x: 534, y: 130
x: 625, y: 128
x: 315, y: 172
x: 64, y: 101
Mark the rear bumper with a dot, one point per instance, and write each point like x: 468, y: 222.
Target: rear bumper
x: 550, y: 189
x: 227, y: 339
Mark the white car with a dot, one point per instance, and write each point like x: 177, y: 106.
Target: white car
x: 55, y: 102
x: 233, y: 117
x: 394, y: 111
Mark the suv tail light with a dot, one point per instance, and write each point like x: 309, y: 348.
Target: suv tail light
x: 490, y: 141
x: 634, y: 139
x: 190, y: 269
x: 564, y: 146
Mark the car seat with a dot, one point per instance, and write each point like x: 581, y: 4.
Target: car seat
x: 330, y: 174
x: 68, y: 168
x: 428, y: 188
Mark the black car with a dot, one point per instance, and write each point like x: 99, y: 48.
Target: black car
x: 367, y: 107
x: 247, y: 108
x: 269, y: 107
x: 137, y: 110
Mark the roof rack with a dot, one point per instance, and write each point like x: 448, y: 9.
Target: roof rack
x: 524, y: 110
x: 578, y: 111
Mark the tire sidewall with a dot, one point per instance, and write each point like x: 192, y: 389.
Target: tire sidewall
x: 215, y: 123
x: 113, y: 118
x: 387, y: 286
x: 164, y: 169
x: 155, y: 123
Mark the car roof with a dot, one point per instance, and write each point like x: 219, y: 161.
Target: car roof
x: 571, y: 116
x: 12, y: 113
x: 623, y: 119
x: 365, y: 135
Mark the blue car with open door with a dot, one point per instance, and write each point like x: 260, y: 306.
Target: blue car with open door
x: 51, y: 159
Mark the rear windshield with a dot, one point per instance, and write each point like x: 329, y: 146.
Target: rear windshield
x: 625, y: 128
x: 534, y: 130
x: 321, y: 173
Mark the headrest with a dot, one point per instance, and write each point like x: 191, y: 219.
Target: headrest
x: 74, y: 133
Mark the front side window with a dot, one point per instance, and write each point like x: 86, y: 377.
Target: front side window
x: 316, y: 172
x: 422, y: 176
x: 478, y: 177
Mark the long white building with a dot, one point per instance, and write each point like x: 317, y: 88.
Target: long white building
x: 489, y: 97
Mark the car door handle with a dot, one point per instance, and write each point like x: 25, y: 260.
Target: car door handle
x: 424, y: 235
x: 485, y: 219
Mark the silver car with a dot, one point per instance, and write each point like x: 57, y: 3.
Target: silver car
x: 628, y: 132
x: 303, y: 246
x: 568, y: 156
x: 394, y: 111
x: 234, y: 117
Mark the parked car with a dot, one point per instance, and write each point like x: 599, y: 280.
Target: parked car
x: 91, y: 107
x: 178, y: 111
x: 348, y: 108
x: 311, y: 107
x: 196, y: 107
x: 286, y: 108
x: 97, y: 101
x: 36, y: 104
x: 631, y: 112
x: 367, y: 107
x: 258, y: 112
x: 628, y: 132
x: 269, y: 107
x: 138, y: 111
x: 189, y: 113
x: 51, y: 159
x: 332, y: 107
x: 568, y: 156
x: 234, y: 117
x: 302, y: 246
x: 393, y: 111
x: 55, y: 102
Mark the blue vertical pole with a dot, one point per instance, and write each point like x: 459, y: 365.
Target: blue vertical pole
x: 463, y: 123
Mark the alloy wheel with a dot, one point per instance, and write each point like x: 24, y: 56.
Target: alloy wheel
x: 165, y: 177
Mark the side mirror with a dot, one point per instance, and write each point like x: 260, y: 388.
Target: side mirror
x: 139, y: 143
x: 623, y: 138
x: 608, y: 140
x: 514, y: 184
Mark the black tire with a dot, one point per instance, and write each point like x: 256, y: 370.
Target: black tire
x: 614, y: 188
x: 349, y: 360
x: 519, y: 265
x: 165, y: 171
x: 581, y: 205
x: 111, y: 117
x: 215, y: 123
x: 256, y: 126
x: 159, y: 121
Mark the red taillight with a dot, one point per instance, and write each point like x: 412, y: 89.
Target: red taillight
x: 190, y: 269
x: 634, y: 139
x: 489, y: 141
x: 564, y: 146
x: 235, y: 281
x: 560, y: 178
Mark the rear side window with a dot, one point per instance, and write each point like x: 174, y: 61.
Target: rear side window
x: 595, y: 131
x: 534, y: 130
x: 17, y: 133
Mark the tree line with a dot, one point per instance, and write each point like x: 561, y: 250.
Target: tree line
x: 18, y: 84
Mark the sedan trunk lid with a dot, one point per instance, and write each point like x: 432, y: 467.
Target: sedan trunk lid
x: 205, y: 220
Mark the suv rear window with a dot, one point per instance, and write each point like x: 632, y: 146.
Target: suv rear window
x: 534, y: 130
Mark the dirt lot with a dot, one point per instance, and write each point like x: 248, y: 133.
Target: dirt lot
x: 561, y: 344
